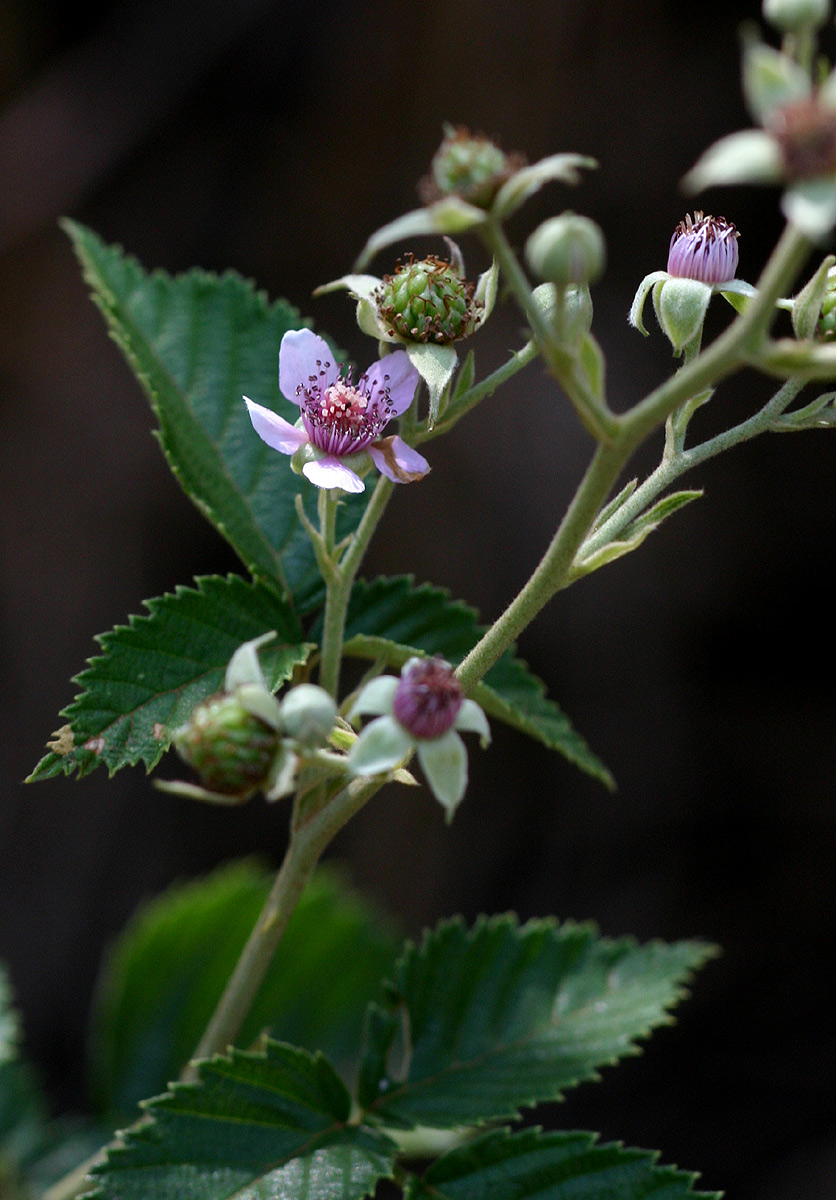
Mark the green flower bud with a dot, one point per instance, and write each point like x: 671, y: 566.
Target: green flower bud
x: 791, y: 16
x: 427, y: 300
x: 230, y: 748
x: 308, y: 714
x: 681, y: 305
x: 568, y: 249
x: 468, y: 165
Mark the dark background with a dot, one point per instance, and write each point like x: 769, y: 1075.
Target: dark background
x: 273, y: 137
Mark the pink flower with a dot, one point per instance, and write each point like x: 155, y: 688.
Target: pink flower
x: 340, y: 418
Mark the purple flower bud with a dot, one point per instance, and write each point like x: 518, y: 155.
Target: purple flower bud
x: 428, y: 698
x: 704, y: 249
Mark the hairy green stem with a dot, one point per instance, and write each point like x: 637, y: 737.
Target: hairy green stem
x: 741, y: 340
x: 676, y: 464
x: 593, y: 412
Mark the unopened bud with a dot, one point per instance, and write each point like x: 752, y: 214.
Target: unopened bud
x: 308, y: 714
x: 791, y: 16
x: 704, y: 248
x: 229, y: 747
x: 426, y: 300
x: 566, y: 250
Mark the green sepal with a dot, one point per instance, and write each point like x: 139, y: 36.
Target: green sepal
x: 435, y: 365
x: 681, y: 305
x: 807, y: 305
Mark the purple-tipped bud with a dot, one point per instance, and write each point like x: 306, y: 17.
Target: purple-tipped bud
x: 704, y: 249
x: 428, y: 698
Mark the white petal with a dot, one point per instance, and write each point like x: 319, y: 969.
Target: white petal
x: 331, y: 473
x: 450, y: 215
x: 811, y: 207
x: 302, y: 355
x: 361, y: 286
x: 380, y: 747
x: 471, y: 719
x: 750, y: 156
x: 444, y: 762
x: 278, y: 433
x: 244, y: 666
x: 376, y: 697
x: 528, y: 180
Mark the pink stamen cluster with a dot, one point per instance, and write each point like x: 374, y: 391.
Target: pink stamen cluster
x: 428, y: 698
x: 704, y: 248
x: 342, y: 417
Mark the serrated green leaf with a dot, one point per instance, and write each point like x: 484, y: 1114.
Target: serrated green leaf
x: 158, y: 667
x: 502, y: 1017
x: 533, y: 1165
x: 198, y: 343
x: 161, y: 981
x: 255, y: 1125
x: 392, y: 619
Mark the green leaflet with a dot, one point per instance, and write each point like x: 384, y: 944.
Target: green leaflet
x: 271, y: 1124
x: 502, y: 1017
x: 393, y: 619
x: 198, y: 343
x: 533, y: 1165
x: 163, y: 978
x: 158, y: 667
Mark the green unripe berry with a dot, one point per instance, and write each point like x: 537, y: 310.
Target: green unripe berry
x: 428, y: 301
x: 230, y: 749
x: 566, y: 250
x: 468, y: 165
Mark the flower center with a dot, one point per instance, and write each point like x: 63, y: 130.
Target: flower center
x: 428, y: 697
x: 704, y: 248
x: 343, y: 417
